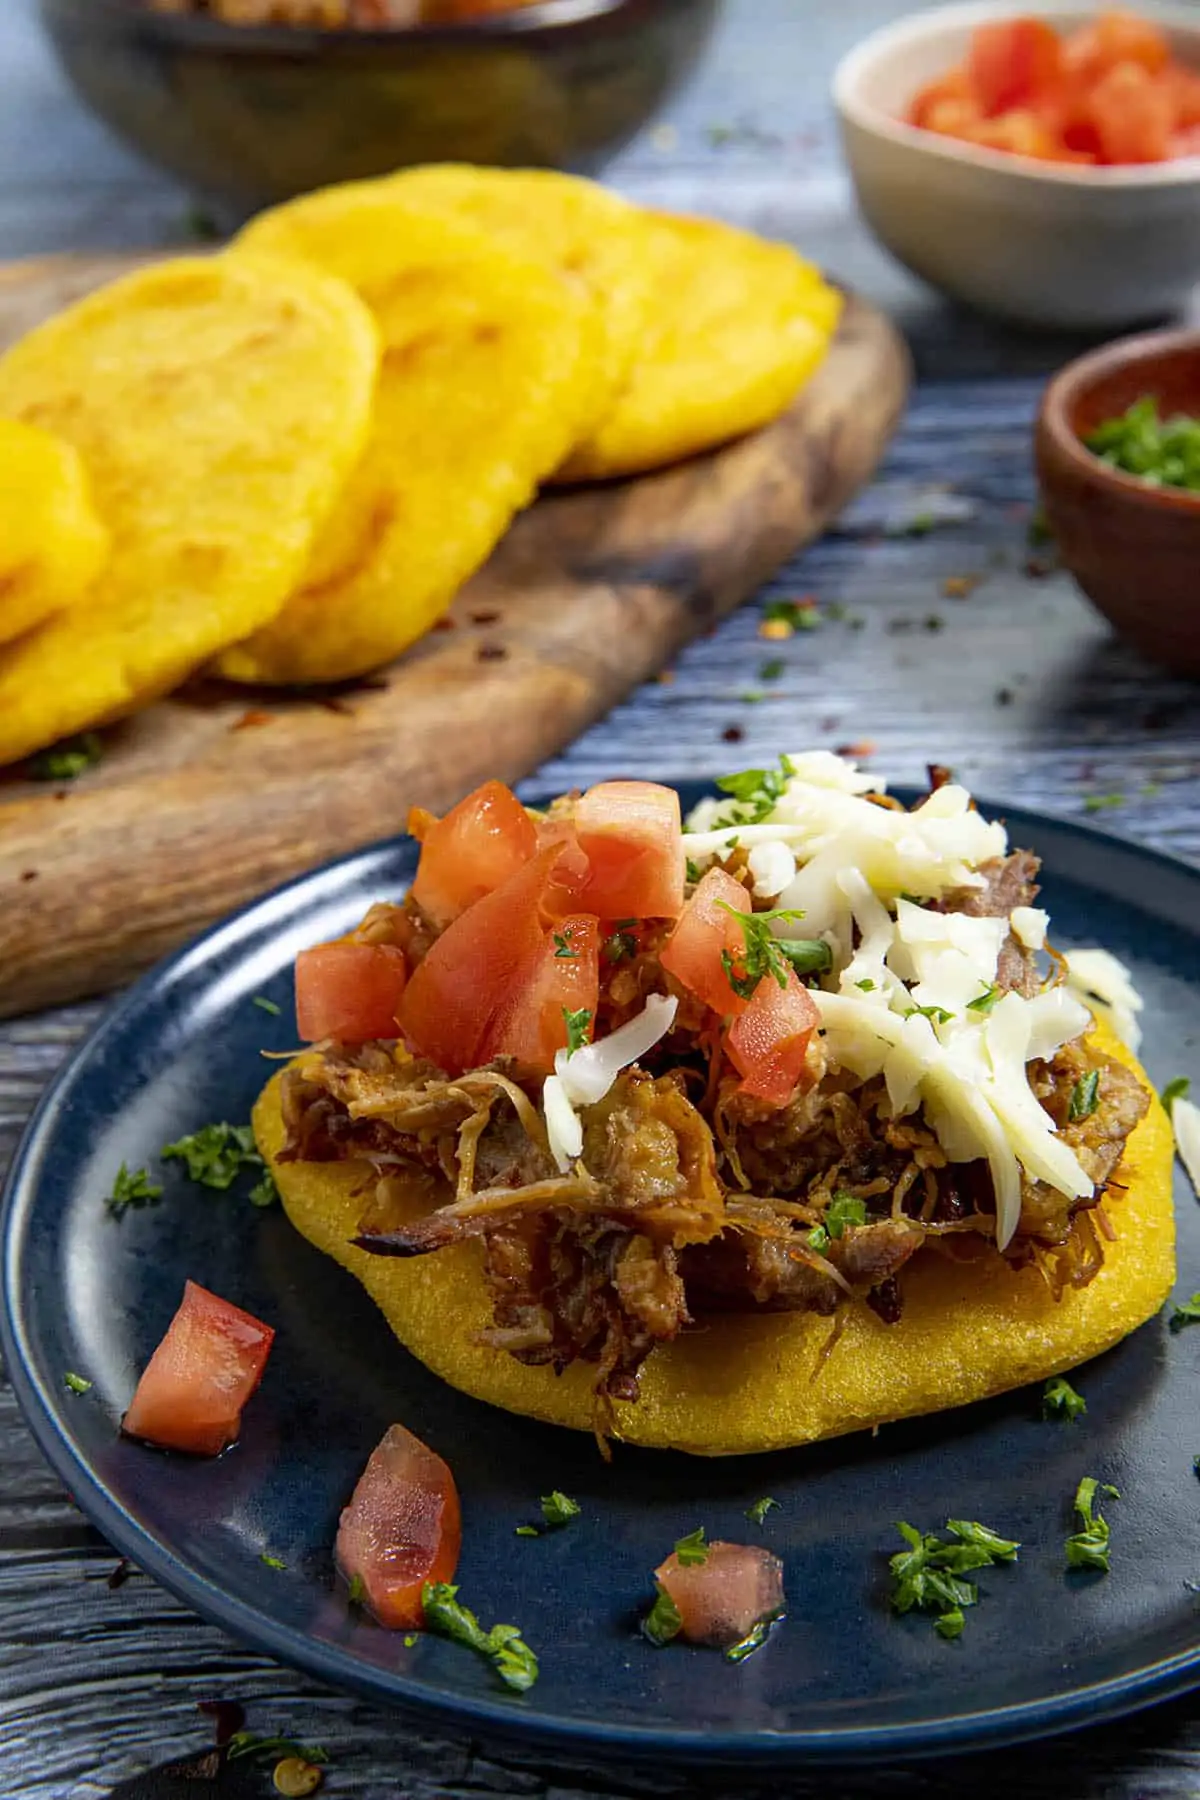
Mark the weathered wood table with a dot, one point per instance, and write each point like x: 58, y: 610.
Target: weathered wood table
x: 936, y: 638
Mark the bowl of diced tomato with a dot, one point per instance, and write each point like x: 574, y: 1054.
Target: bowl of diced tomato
x: 1043, y: 166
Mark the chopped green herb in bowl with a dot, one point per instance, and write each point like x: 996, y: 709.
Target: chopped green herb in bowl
x: 1139, y: 441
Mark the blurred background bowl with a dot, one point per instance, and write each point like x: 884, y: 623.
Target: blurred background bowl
x: 1087, y: 249
x: 254, y: 114
x: 1133, y: 548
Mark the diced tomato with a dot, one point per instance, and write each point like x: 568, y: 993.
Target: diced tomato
x: 951, y: 88
x: 1183, y: 85
x: 1116, y: 37
x: 1134, y: 115
x: 1019, y: 131
x: 768, y: 1043
x: 202, y: 1374
x: 1186, y: 143
x: 481, y: 842
x: 1011, y: 61
x: 470, y: 972
x: 706, y: 932
x: 563, y: 973
x: 632, y: 836
x: 349, y: 991
x: 402, y: 1528
x: 722, y: 1599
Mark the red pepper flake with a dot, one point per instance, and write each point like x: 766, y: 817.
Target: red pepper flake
x: 248, y: 720
x: 445, y: 623
x: 488, y: 616
x: 120, y: 1575
x: 29, y: 874
x: 733, y: 734
x: 860, y: 747
x: 491, y: 653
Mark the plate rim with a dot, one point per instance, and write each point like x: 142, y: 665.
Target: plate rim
x: 508, y: 1720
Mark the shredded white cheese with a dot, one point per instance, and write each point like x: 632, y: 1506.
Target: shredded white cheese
x: 582, y: 1077
x: 1104, y: 985
x: 1185, y: 1121
x: 1030, y: 925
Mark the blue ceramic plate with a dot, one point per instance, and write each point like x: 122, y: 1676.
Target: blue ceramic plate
x: 842, y: 1678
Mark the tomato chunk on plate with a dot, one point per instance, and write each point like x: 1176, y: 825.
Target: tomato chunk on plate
x: 722, y: 1599
x: 706, y: 932
x: 768, y: 1043
x: 472, y: 851
x: 349, y: 992
x: 632, y: 835
x: 202, y: 1374
x: 563, y: 975
x: 402, y: 1528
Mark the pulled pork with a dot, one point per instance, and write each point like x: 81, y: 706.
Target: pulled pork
x: 690, y: 1198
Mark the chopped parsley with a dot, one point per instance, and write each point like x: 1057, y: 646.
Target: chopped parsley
x: 937, y: 1014
x: 1187, y: 1313
x: 818, y: 1239
x: 512, y: 1659
x: 216, y: 1155
x: 983, y: 1003
x: 757, y: 1513
x: 928, y: 1576
x: 248, y: 1743
x: 754, y: 1640
x: 272, y: 1562
x: 772, y: 669
x: 692, y: 871
x: 1088, y: 1548
x: 358, y: 1591
x: 527, y: 1531
x: 1061, y: 1401
x: 1139, y: 441
x: 563, y: 947
x: 410, y: 1639
x: 265, y: 1005
x: 1094, y: 803
x: 66, y: 761
x: 867, y: 985
x: 264, y: 1192
x: 765, y: 954
x: 1085, y: 1097
x: 133, y: 1187
x: 798, y: 615
x: 692, y: 1550
x: 844, y: 1209
x: 1176, y: 1089
x: 617, y: 947
x: 758, y: 790
x: 663, y: 1621
x: 559, y: 1509
x: 76, y: 1383
x: 577, y: 1024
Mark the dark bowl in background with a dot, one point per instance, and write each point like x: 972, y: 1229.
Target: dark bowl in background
x: 1133, y: 548
x: 254, y: 114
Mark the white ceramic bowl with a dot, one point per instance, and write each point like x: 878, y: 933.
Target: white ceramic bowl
x: 1090, y: 248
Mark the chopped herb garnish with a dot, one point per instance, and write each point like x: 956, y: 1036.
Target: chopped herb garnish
x: 1094, y: 803
x: 264, y: 1192
x: 937, y: 1014
x: 692, y: 1550
x: 620, y: 945
x: 772, y: 669
x: 752, y: 697
x: 818, y: 1239
x: 411, y: 1638
x: 949, y: 1625
x: 248, y: 1743
x: 65, y: 761
x: 358, y: 1591
x: 765, y: 954
x: 867, y: 985
x: 577, y: 1028
x: 198, y: 222
x: 758, y: 1512
x: 559, y: 1509
x: 216, y: 1154
x: 1161, y: 452
x: 844, y: 1209
x: 265, y: 1005
x: 1176, y: 1089
x: 692, y: 871
x: 757, y: 789
x: 1085, y: 1097
x: 1088, y: 1548
x: 563, y: 947
x: 1187, y: 1313
x: 1061, y: 1401
x: 527, y: 1531
x: 983, y: 1003
x: 512, y: 1659
x: 76, y: 1383
x: 754, y: 1640
x: 662, y: 1622
x: 272, y: 1562
x: 929, y: 1574
x: 133, y: 1187
x: 919, y: 525
x: 798, y: 615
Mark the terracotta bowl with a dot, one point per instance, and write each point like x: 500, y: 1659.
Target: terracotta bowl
x: 1134, y: 549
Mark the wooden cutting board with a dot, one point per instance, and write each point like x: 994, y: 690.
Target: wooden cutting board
x: 218, y: 793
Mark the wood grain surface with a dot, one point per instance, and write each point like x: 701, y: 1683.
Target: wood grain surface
x: 220, y: 792
x: 1019, y: 686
